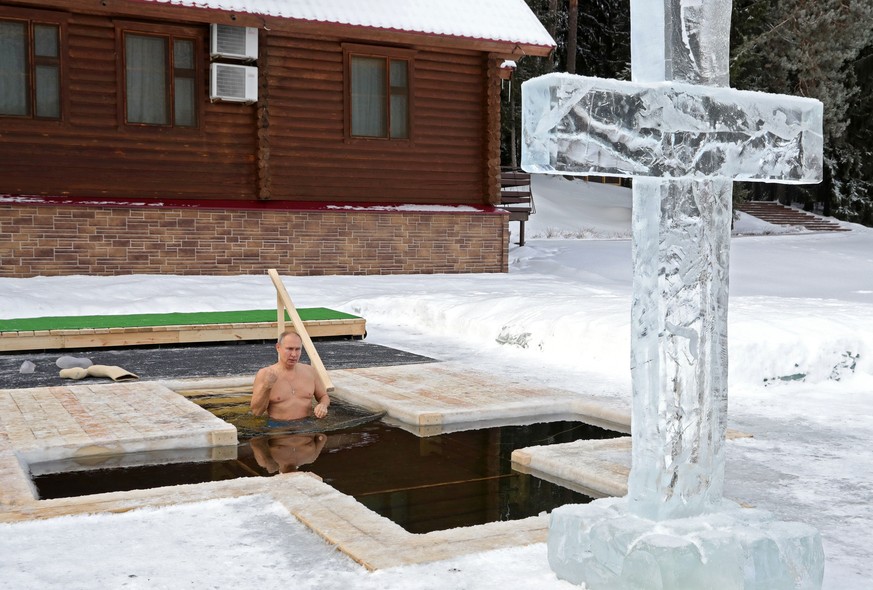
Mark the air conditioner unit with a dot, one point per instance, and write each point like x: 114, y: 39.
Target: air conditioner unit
x: 233, y: 83
x: 234, y: 42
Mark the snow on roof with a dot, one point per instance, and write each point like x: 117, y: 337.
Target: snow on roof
x: 492, y: 20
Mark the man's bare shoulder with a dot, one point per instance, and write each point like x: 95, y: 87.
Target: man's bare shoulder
x: 268, y: 369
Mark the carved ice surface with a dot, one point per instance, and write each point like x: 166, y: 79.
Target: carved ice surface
x: 685, y: 137
x: 578, y: 125
x: 680, y: 40
x: 679, y: 355
x: 605, y: 546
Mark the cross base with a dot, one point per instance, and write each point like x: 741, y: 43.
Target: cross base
x: 605, y: 546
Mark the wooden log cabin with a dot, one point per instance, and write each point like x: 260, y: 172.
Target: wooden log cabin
x: 229, y: 136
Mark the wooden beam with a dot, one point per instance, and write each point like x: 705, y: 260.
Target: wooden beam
x: 492, y: 130
x: 153, y: 335
x: 280, y: 315
x: 301, y: 329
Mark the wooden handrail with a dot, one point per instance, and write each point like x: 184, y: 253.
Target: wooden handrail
x: 283, y: 302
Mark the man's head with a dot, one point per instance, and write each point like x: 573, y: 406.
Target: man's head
x: 290, y: 347
x: 286, y: 333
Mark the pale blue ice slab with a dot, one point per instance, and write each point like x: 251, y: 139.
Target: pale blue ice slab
x: 591, y: 126
x: 605, y: 546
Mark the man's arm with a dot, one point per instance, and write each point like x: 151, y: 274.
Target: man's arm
x: 264, y: 381
x: 322, y: 398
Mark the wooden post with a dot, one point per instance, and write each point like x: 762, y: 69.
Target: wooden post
x: 280, y: 320
x: 280, y: 315
x: 285, y: 300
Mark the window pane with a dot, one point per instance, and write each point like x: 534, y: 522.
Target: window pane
x: 184, y: 103
x: 398, y: 73
x: 45, y: 40
x: 13, y: 69
x: 146, y: 76
x: 399, y: 117
x: 399, y: 99
x: 183, y: 54
x: 47, y: 92
x: 368, y: 97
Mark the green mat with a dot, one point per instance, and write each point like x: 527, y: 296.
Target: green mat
x: 165, y: 319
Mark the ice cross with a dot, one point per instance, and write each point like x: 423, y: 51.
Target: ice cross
x: 684, y: 137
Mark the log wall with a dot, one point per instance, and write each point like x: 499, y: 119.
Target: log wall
x: 311, y: 160
x: 90, y: 154
x: 291, y: 146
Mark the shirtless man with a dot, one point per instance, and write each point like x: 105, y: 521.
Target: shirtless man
x: 284, y: 391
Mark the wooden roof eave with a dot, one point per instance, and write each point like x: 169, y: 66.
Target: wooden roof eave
x: 501, y: 49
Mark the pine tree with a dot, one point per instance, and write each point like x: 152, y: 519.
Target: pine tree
x: 817, y: 48
x: 856, y: 203
x: 810, y: 48
x: 602, y: 50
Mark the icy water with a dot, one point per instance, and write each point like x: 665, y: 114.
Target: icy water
x: 421, y: 483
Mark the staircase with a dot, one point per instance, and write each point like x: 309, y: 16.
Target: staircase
x: 778, y: 214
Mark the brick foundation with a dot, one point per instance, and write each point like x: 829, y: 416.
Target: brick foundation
x: 68, y: 239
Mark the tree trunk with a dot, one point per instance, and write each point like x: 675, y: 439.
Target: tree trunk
x: 572, y: 29
x: 513, y: 152
x: 553, y: 18
x: 553, y: 31
x: 825, y: 191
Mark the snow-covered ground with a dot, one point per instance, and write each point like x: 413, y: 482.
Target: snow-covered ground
x: 801, y: 380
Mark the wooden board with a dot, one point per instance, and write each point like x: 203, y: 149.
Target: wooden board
x: 153, y: 335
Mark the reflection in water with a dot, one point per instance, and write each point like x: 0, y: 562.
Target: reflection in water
x: 423, y: 484
x: 286, y: 452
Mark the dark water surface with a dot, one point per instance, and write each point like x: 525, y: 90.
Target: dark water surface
x: 421, y: 483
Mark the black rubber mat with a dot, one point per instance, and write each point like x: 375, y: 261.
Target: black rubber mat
x: 212, y: 360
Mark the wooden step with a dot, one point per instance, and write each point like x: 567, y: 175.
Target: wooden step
x: 779, y: 214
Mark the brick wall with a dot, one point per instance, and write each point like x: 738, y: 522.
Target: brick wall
x: 66, y: 239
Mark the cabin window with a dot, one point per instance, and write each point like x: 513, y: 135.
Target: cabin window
x: 160, y: 76
x: 30, y: 73
x: 378, y: 93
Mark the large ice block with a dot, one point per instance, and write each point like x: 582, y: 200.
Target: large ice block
x: 684, y: 137
x: 591, y: 126
x: 679, y: 361
x: 682, y: 40
x: 606, y: 547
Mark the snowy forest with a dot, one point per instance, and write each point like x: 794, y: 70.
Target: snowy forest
x: 821, y: 49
